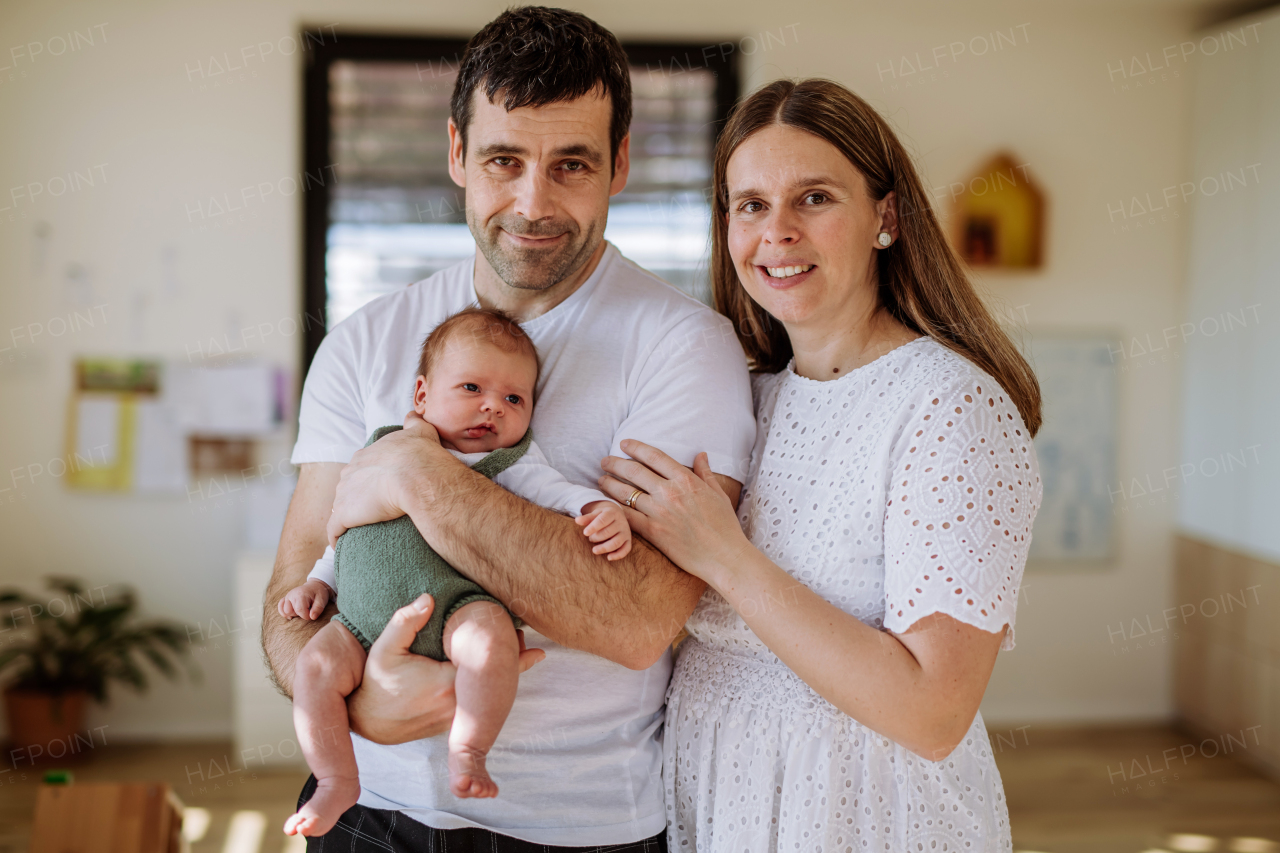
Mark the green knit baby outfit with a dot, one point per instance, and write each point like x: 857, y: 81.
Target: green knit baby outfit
x: 385, y: 566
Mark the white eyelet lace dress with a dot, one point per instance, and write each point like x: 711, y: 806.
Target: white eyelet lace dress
x: 907, y: 487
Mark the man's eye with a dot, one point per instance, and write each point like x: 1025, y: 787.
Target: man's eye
x: 816, y: 198
x: 751, y: 207
x: 503, y: 161
x: 513, y: 399
x: 574, y: 166
x: 471, y: 386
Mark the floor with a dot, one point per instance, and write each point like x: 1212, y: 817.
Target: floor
x: 1134, y: 789
x: 236, y: 808
x: 1113, y: 790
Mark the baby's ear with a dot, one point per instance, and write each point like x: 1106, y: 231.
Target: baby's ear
x: 420, y: 393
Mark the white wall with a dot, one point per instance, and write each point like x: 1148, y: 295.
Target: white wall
x: 1231, y: 407
x: 136, y: 104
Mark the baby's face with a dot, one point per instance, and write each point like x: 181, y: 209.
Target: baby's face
x: 479, y: 396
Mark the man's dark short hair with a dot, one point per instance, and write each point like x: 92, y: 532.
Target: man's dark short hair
x: 533, y: 56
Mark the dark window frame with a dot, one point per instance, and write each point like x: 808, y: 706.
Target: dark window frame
x: 660, y: 57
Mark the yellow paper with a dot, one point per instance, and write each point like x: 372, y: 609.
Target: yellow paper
x: 100, y: 441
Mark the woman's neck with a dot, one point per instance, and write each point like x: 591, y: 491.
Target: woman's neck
x: 854, y: 339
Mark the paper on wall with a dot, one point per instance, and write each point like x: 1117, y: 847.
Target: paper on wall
x: 98, y: 429
x: 160, y: 450
x: 231, y: 400
x: 100, y: 442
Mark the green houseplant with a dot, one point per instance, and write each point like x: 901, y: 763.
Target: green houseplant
x: 59, y: 651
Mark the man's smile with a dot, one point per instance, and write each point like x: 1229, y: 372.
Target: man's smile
x: 532, y: 241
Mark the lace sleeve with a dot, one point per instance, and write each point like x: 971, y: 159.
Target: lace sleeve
x: 963, y: 492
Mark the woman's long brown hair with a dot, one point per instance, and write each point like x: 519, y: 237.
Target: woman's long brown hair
x: 922, y: 284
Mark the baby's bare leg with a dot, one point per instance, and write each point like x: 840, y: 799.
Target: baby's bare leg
x: 481, y: 641
x: 329, y: 668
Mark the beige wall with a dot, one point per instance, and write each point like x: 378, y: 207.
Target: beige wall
x: 1231, y: 405
x: 1227, y: 661
x: 134, y: 104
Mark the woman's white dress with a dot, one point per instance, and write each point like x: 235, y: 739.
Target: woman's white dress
x: 905, y: 488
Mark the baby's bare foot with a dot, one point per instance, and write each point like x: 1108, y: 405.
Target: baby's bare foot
x: 317, y: 816
x: 467, y: 775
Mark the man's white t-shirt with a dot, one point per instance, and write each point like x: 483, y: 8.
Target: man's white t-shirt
x: 625, y: 356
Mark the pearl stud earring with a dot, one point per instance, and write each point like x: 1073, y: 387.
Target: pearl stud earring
x: 884, y: 239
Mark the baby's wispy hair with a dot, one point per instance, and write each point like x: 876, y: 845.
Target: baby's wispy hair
x: 484, y: 325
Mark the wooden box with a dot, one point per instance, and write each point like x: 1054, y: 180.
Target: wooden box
x: 107, y: 818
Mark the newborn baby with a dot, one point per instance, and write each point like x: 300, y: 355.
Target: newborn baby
x: 475, y: 385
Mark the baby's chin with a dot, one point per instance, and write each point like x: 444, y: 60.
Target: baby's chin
x: 484, y: 444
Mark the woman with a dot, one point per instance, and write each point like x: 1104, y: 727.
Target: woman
x: 827, y: 696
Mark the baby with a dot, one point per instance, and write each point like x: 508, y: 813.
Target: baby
x: 475, y: 385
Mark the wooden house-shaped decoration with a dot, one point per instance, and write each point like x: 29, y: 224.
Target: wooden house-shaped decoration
x: 999, y: 217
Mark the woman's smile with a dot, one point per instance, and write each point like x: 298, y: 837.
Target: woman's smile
x: 782, y: 275
x: 786, y: 270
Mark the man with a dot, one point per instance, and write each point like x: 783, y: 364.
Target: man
x: 538, y: 139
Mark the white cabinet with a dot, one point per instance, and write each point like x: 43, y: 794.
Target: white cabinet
x: 263, y: 719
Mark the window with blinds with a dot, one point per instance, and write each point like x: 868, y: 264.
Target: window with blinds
x: 377, y: 117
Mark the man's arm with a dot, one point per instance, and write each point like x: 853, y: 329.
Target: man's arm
x: 301, y: 543
x: 403, y: 696
x: 534, y: 560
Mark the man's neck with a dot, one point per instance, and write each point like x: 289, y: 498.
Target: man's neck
x: 522, y: 304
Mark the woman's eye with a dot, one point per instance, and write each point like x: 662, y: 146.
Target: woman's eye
x: 513, y: 399
x: 471, y: 386
x: 816, y: 198
x: 751, y: 207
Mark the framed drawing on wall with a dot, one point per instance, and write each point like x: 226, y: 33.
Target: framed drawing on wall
x: 998, y: 220
x: 1076, y: 448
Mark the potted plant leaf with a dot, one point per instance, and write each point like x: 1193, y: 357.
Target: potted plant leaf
x: 65, y: 649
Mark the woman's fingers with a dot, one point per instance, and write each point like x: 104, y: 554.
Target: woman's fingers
x: 620, y: 491
x: 702, y: 467
x: 653, y: 458
x: 632, y: 472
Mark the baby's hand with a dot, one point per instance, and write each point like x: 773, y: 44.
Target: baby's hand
x: 605, y: 525
x: 306, y: 601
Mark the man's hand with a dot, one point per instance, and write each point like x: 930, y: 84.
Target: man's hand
x: 371, y: 486
x: 405, y: 696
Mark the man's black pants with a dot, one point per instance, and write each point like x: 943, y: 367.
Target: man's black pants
x: 365, y: 830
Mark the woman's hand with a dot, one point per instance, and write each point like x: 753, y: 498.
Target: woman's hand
x: 685, y: 514
x: 372, y: 486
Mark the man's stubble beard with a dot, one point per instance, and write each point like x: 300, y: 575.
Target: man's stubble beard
x: 534, y: 269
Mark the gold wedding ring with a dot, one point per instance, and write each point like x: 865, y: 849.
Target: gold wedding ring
x: 631, y: 501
